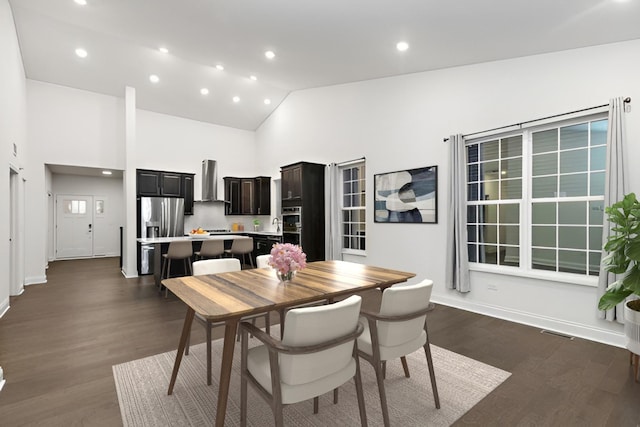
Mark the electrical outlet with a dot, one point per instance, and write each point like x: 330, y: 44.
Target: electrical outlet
x: 492, y: 287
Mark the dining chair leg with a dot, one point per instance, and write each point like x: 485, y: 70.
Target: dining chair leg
x: 403, y: 359
x: 315, y: 404
x: 383, y: 396
x: 166, y: 290
x: 186, y: 347
x: 359, y: 391
x: 432, y: 374
x: 208, y: 326
x: 384, y: 369
x: 282, y: 315
x: 335, y: 396
x: 243, y: 380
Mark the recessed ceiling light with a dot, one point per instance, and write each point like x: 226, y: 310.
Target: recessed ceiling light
x: 219, y: 67
x: 81, y: 53
x: 163, y: 49
x: 236, y: 99
x: 204, y: 91
x: 402, y: 46
x: 154, y: 79
x: 81, y: 2
x: 106, y: 172
x: 254, y: 78
x: 269, y: 54
x: 267, y: 101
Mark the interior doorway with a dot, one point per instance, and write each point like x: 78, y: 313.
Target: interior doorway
x: 16, y: 286
x: 74, y: 226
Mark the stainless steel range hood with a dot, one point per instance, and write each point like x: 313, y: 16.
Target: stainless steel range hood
x: 210, y: 181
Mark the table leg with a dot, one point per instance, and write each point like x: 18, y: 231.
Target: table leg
x: 157, y: 263
x: 186, y: 329
x: 230, y: 329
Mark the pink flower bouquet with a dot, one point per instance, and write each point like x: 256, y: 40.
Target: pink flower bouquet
x: 287, y: 258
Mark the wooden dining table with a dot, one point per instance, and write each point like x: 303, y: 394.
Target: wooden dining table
x: 227, y: 297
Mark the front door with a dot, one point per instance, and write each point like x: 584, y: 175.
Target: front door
x: 74, y: 226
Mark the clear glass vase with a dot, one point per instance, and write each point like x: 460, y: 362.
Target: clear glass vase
x: 286, y: 277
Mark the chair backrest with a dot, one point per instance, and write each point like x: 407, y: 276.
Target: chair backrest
x: 180, y: 249
x: 398, y: 300
x: 213, y: 266
x: 242, y: 246
x: 262, y: 261
x: 315, y: 325
x: 212, y: 248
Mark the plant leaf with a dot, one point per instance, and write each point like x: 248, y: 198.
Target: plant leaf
x: 614, y: 296
x: 631, y: 280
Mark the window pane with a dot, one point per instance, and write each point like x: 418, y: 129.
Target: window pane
x: 596, y: 212
x: 543, y: 259
x: 572, y: 262
x: 471, y: 213
x: 99, y: 207
x: 489, y: 214
x: 594, y: 263
x: 545, y: 141
x: 545, y: 187
x: 472, y: 174
x: 572, y: 237
x: 511, y: 257
x: 573, y: 161
x: 511, y: 168
x: 489, y: 170
x: 488, y: 254
x: 595, y: 238
x: 511, y: 146
x: 74, y: 206
x: 346, y: 174
x: 472, y: 192
x: 491, y: 190
x: 598, y: 158
x: 511, y: 189
x: 346, y: 201
x: 574, y: 136
x: 544, y: 236
x: 573, y: 185
x: 599, y: 132
x: 510, y: 234
x: 489, y: 234
x: 597, y: 184
x: 572, y: 213
x: 472, y: 153
x: 545, y: 164
x: 472, y: 251
x: 471, y: 233
x: 489, y: 150
x: 509, y: 214
x: 543, y: 213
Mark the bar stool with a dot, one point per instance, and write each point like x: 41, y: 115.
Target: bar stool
x: 210, y: 249
x: 178, y: 250
x: 242, y: 246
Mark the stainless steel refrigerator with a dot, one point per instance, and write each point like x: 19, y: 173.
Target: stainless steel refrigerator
x: 157, y: 217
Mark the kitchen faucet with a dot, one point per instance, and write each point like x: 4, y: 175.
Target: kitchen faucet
x: 276, y: 221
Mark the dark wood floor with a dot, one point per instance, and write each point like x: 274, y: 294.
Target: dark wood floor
x: 58, y: 343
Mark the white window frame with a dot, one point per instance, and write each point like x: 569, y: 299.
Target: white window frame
x: 525, y: 203
x: 363, y: 208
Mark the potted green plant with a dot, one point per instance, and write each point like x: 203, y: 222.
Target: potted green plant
x: 623, y: 259
x: 256, y: 224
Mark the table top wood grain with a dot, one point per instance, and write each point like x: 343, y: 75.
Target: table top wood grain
x: 223, y: 296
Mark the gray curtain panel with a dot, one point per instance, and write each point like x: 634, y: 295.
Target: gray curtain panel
x: 614, y: 191
x: 457, y: 267
x: 333, y: 246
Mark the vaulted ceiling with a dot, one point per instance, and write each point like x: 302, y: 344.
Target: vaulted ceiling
x: 316, y: 43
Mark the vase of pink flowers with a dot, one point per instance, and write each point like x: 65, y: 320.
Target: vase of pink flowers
x: 287, y: 259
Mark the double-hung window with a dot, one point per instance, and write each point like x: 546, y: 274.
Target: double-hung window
x: 535, y: 197
x: 353, y: 207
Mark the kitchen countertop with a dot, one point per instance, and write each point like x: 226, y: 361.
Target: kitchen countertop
x: 217, y: 236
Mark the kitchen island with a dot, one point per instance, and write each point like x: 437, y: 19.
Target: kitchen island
x: 157, y: 242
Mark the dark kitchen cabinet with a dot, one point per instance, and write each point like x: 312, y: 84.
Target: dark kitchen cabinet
x: 187, y: 193
x: 148, y: 183
x: 170, y: 184
x: 263, y: 195
x: 303, y: 192
x: 152, y: 183
x: 247, y: 196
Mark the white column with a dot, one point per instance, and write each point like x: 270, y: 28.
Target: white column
x: 129, y: 267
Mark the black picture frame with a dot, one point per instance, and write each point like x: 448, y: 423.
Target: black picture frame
x: 407, y: 196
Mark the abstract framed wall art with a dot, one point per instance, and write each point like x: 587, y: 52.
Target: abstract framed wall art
x: 408, y: 196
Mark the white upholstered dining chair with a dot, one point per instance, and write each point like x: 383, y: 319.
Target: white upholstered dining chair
x: 317, y: 354
x: 262, y: 261
x: 214, y: 266
x: 398, y: 329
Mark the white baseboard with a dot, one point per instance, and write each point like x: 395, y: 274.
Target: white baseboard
x: 573, y: 329
x: 4, y: 307
x: 2, y: 384
x: 128, y: 276
x: 35, y: 280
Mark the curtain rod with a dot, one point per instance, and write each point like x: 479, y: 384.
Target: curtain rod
x: 627, y: 100
x: 348, y: 162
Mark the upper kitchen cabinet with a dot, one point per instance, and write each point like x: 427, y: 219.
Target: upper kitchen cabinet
x: 152, y: 183
x: 299, y: 181
x: 247, y: 196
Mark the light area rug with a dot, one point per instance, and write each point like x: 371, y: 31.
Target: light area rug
x: 142, y: 392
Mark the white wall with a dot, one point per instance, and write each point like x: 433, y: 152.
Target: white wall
x: 12, y: 131
x: 112, y: 190
x: 400, y: 123
x: 66, y: 127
